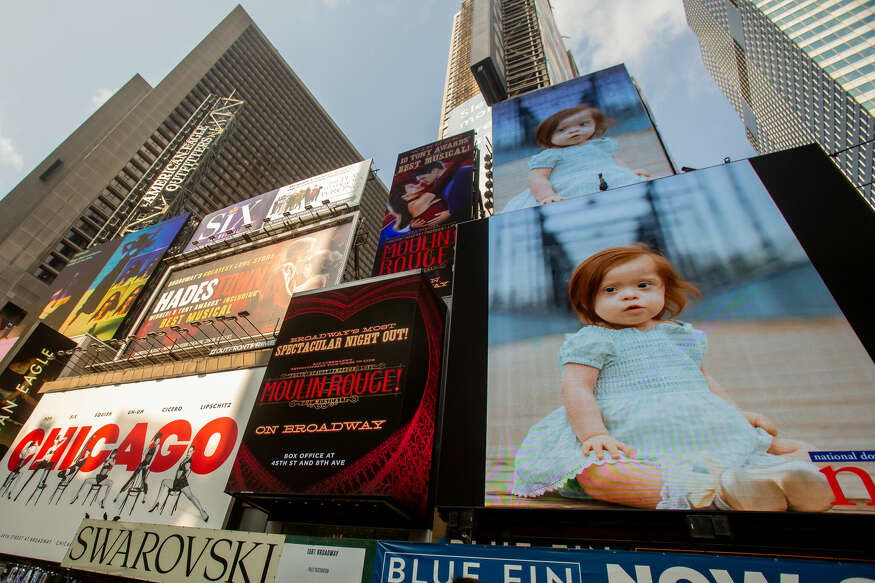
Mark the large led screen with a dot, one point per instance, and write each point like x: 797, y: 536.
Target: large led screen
x: 582, y: 136
x: 259, y: 282
x: 671, y: 345
x: 101, y: 309
x: 431, y: 191
x: 157, y: 452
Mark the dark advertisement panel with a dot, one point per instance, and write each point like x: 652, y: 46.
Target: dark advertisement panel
x: 582, y: 136
x: 241, y: 217
x: 347, y: 404
x: 703, y: 360
x: 69, y: 287
x: 259, y: 282
x: 36, y: 361
x: 431, y: 250
x: 109, y: 297
x: 431, y: 191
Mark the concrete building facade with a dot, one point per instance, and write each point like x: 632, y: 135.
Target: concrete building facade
x: 280, y: 135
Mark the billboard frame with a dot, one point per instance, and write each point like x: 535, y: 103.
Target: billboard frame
x: 810, y: 193
x: 220, y: 252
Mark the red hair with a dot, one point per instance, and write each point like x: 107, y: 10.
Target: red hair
x: 587, y: 278
x: 544, y: 133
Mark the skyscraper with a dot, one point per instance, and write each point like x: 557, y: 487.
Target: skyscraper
x: 796, y: 72
x: 534, y: 55
x: 280, y: 135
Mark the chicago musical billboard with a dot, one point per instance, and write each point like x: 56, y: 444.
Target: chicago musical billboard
x: 432, y: 190
x: 585, y: 135
x: 101, y: 309
x: 155, y: 451
x: 259, y: 281
x: 347, y: 403
x: 671, y: 345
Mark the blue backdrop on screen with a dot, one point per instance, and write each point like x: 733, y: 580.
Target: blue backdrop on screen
x: 428, y: 563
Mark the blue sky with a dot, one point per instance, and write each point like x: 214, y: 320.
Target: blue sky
x: 377, y: 67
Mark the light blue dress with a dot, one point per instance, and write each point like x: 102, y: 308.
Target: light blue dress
x: 652, y: 395
x: 576, y: 171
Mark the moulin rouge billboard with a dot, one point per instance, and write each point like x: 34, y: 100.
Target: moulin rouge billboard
x: 432, y: 190
x: 347, y: 403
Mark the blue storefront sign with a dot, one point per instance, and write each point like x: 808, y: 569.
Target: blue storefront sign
x: 432, y: 563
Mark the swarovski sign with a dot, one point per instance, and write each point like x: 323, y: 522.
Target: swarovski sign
x: 171, y: 553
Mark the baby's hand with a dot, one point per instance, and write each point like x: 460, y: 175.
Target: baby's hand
x: 760, y: 420
x: 602, y: 442
x: 551, y: 198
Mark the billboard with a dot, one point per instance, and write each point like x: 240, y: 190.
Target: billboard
x: 103, y: 306
x: 347, y: 404
x: 36, y: 362
x: 155, y: 451
x: 131, y: 557
x: 242, y: 217
x: 69, y: 287
x: 588, y: 134
x: 431, y: 191
x: 670, y: 345
x: 259, y: 281
x: 399, y: 562
x: 337, y: 186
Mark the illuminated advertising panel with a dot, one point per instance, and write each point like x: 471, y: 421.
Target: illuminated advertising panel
x: 102, y: 307
x: 672, y: 345
x: 259, y: 281
x: 347, y: 404
x: 338, y: 186
x: 431, y: 192
x: 241, y: 217
x: 36, y: 361
x: 69, y: 287
x: 588, y: 134
x: 401, y: 562
x: 157, y: 452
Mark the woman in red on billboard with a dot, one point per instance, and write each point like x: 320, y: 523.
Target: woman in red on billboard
x: 415, y: 207
x: 577, y: 159
x: 641, y: 424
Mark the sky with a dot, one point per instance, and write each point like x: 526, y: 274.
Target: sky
x: 376, y: 67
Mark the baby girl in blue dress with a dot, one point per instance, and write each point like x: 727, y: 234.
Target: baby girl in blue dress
x: 642, y: 425
x: 576, y: 159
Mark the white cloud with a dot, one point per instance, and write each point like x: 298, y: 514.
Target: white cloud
x: 602, y: 33
x: 101, y: 96
x: 8, y: 155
